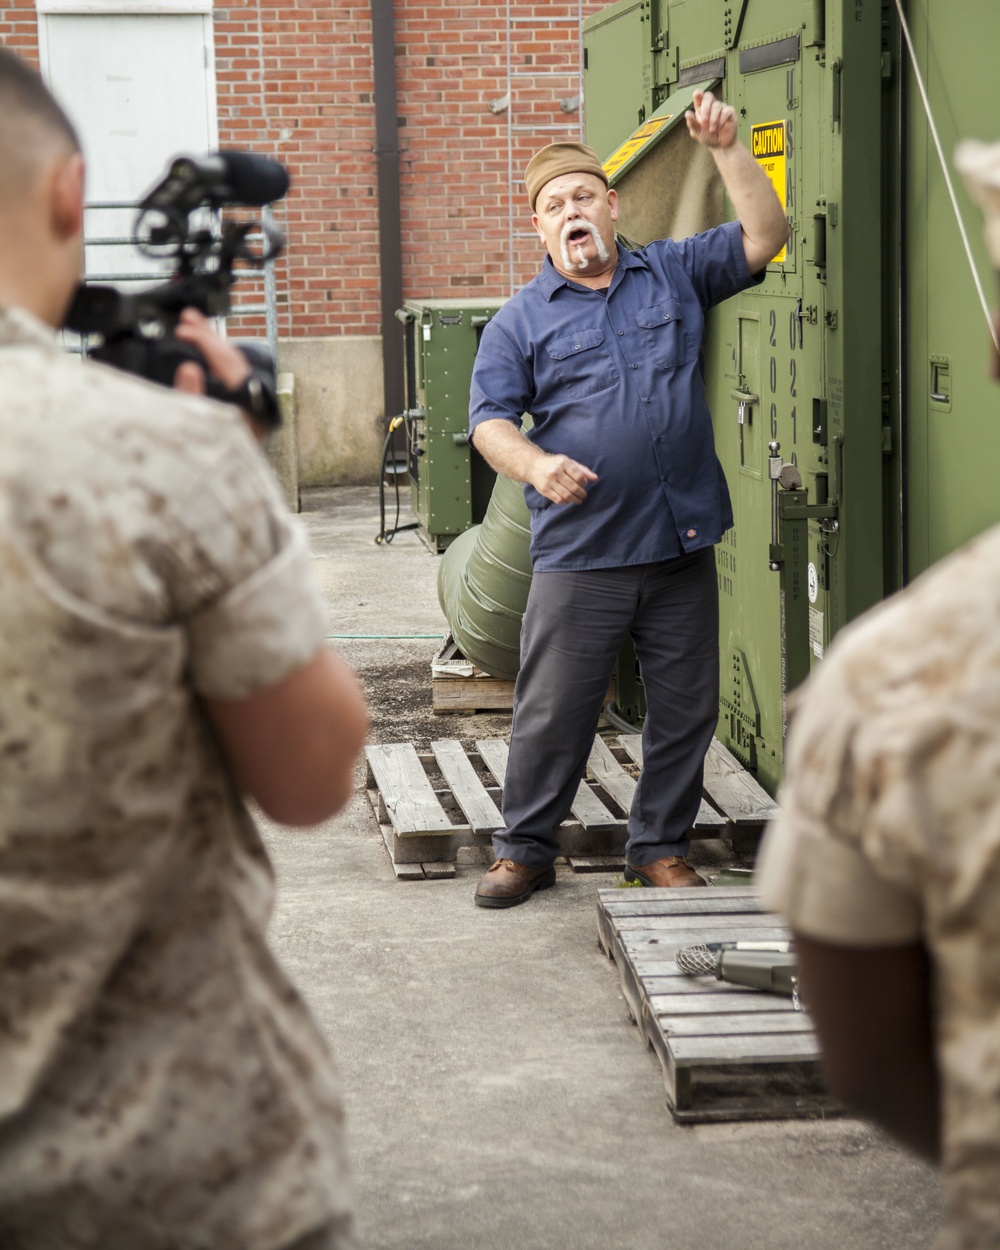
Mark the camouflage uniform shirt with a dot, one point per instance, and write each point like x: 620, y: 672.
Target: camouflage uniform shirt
x: 162, y: 1086
x: 890, y: 834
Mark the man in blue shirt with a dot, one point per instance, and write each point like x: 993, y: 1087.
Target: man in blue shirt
x: 626, y: 495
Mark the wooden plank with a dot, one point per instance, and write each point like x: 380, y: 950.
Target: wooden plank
x: 494, y: 752
x: 678, y: 897
x: 403, y: 872
x: 439, y: 871
x: 630, y: 985
x: 591, y: 812
x: 668, y: 925
x: 605, y: 933
x: 479, y: 809
x: 408, y: 872
x: 733, y: 790
x: 425, y: 848
x: 704, y: 1093
x: 660, y: 945
x: 596, y: 863
x: 471, y: 694
x: 610, y: 775
x: 707, y: 820
x: 640, y: 906
x: 631, y: 744
x: 664, y: 982
x: 691, y: 931
x: 720, y: 1001
x: 650, y: 952
x: 775, y: 1048
x: 407, y: 794
x: 741, y: 1023
x: 587, y: 807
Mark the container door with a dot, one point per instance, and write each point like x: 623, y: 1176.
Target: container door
x: 794, y: 366
x: 953, y: 406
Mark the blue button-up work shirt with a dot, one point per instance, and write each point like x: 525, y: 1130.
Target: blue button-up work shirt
x: 615, y: 380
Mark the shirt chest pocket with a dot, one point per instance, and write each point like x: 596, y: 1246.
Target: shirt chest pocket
x: 662, y: 333
x: 582, y: 362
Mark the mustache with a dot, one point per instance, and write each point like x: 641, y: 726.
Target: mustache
x: 570, y: 228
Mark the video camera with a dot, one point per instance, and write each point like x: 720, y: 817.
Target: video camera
x: 137, y: 329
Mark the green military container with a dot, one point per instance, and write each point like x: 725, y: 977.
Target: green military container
x: 853, y: 414
x: 950, y: 407
x: 450, y: 483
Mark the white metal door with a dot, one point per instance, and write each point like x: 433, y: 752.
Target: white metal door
x: 139, y: 84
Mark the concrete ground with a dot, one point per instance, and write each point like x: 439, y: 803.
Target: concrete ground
x: 497, y: 1094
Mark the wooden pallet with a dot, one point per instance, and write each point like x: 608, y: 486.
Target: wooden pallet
x: 729, y: 788
x: 457, y: 685
x: 432, y: 806
x: 727, y: 1052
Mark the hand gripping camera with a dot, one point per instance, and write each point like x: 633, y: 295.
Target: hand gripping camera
x: 136, y: 330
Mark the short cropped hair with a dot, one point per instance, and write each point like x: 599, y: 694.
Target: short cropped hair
x: 33, y: 126
x: 23, y: 92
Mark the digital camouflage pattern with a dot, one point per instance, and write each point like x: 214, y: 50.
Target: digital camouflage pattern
x: 890, y: 833
x: 162, y: 1086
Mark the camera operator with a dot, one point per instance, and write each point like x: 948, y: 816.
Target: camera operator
x: 162, y: 1086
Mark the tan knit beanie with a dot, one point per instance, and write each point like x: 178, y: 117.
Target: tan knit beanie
x: 560, y: 158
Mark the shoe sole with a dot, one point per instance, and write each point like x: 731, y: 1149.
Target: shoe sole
x: 633, y: 874
x: 543, y: 882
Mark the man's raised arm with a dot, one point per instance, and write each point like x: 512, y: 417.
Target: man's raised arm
x: 758, y: 209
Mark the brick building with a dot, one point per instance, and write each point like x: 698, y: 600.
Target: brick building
x: 478, y: 88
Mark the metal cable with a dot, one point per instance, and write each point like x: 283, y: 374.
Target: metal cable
x: 698, y: 961
x: 947, y: 176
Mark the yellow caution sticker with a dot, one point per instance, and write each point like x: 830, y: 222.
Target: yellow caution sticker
x: 767, y: 146
x: 635, y: 143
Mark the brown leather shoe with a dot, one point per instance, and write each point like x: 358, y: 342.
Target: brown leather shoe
x: 672, y: 871
x: 507, y: 883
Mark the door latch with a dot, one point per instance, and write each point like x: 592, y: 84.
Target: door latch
x: 745, y: 401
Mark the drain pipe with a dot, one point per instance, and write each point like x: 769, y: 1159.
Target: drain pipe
x: 389, y: 231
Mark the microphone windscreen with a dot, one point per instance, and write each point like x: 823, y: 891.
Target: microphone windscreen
x: 253, y: 179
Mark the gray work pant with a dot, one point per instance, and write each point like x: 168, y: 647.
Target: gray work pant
x: 574, y: 626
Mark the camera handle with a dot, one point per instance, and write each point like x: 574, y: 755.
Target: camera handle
x: 257, y: 395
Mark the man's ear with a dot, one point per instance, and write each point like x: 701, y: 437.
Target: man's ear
x: 67, y: 196
x: 613, y: 203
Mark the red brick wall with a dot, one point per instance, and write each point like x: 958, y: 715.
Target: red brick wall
x: 295, y: 82
x: 316, y: 113
x: 453, y: 62
x: 19, y: 28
